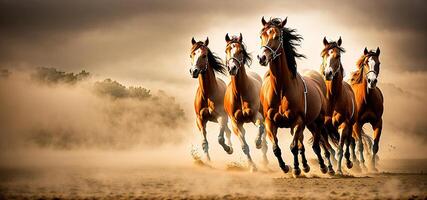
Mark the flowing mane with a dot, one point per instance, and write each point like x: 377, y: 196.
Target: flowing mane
x: 214, y: 61
x: 247, y: 59
x: 290, y: 41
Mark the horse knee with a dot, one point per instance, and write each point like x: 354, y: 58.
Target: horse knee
x: 316, y: 149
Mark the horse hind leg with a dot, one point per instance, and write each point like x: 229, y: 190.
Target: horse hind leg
x: 343, y: 139
x: 314, y: 129
x: 240, y: 132
x: 221, y: 140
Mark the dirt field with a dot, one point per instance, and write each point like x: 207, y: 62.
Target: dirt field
x: 94, y: 177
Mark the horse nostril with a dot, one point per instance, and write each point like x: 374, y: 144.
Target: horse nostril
x: 374, y: 81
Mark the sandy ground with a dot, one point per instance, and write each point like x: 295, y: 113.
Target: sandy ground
x: 95, y: 177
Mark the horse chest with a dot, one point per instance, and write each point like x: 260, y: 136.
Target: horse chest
x: 242, y: 111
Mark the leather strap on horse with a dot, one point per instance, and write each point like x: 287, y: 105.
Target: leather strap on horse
x: 305, y: 94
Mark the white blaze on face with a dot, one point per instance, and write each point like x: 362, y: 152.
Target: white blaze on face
x: 196, y: 57
x: 328, y: 67
x: 371, y: 76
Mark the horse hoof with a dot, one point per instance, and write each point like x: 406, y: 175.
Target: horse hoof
x: 306, y: 169
x: 297, y: 171
x: 265, y: 162
x: 324, y: 170
x: 339, y: 172
x: 374, y: 169
x: 349, y: 165
x: 285, y: 168
x: 331, y: 171
x: 230, y: 150
x: 253, y: 169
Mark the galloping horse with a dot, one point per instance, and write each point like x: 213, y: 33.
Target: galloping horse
x: 288, y: 99
x: 369, y: 100
x: 241, y: 100
x: 341, y: 102
x: 209, y: 102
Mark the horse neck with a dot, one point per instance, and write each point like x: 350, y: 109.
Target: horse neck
x: 207, y: 82
x: 239, y: 81
x: 334, y: 86
x: 280, y: 75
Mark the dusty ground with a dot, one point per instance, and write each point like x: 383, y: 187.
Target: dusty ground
x: 124, y: 179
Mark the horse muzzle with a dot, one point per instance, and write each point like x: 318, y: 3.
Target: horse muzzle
x: 372, y: 83
x: 233, y: 69
x: 194, y: 72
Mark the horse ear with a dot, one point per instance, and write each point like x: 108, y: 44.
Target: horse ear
x: 227, y: 38
x: 206, y: 41
x: 263, y: 21
x: 240, y: 37
x: 378, y: 51
x: 193, y: 41
x: 339, y: 41
x: 283, y: 23
x: 365, y: 51
x: 325, y: 41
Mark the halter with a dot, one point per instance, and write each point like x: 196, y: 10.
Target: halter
x: 305, y: 95
x: 234, y: 58
x: 202, y: 71
x: 275, y: 53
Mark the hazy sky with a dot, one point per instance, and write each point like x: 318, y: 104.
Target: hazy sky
x: 148, y: 42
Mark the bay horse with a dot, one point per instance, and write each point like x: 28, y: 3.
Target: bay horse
x: 288, y: 99
x: 369, y: 100
x: 209, y: 101
x: 241, y: 100
x: 341, y: 113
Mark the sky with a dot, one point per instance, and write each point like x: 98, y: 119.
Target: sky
x: 148, y: 42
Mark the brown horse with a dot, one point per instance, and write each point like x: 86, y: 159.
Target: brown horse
x: 241, y: 100
x: 209, y: 102
x: 288, y: 99
x: 341, y: 101
x: 369, y: 100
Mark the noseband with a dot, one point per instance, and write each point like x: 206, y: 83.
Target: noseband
x: 234, y: 58
x: 275, y: 53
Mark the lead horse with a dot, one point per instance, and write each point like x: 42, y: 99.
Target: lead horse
x: 369, y: 100
x: 209, y: 101
x: 241, y: 100
x: 341, y: 101
x: 288, y: 99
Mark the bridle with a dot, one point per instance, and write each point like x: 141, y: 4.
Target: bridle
x: 275, y: 53
x: 234, y: 58
x: 203, y: 70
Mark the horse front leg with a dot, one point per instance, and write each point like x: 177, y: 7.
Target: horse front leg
x: 357, y: 129
x: 221, y: 140
x: 377, y: 134
x: 260, y: 141
x: 240, y: 132
x: 201, y: 124
x: 298, y: 129
x: 301, y: 149
x: 271, y: 130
